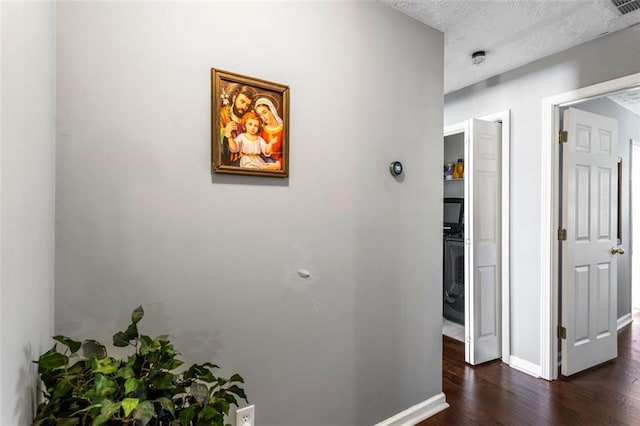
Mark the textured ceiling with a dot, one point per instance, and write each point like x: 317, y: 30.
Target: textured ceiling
x: 511, y: 32
x: 629, y: 99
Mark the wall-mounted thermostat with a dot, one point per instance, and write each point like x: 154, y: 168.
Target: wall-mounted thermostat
x: 396, y: 168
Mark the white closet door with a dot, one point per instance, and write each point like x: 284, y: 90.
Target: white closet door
x: 483, y: 242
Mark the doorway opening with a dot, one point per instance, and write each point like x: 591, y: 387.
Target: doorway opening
x: 550, y: 254
x: 460, y: 310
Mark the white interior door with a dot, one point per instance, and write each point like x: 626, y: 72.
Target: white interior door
x: 589, y: 263
x: 482, y: 242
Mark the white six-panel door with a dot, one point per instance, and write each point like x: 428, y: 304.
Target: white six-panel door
x: 482, y: 242
x: 589, y: 263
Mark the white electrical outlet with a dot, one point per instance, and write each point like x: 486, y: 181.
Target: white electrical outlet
x: 246, y: 416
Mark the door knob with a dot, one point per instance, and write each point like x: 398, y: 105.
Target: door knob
x: 617, y: 250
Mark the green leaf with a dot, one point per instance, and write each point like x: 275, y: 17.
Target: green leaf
x: 105, y: 366
x: 131, y: 332
x: 120, y: 339
x: 146, y: 345
x: 208, y: 414
x: 201, y: 372
x: 103, y: 386
x: 210, y: 365
x: 126, y: 372
x: 89, y: 408
x: 108, y: 410
x: 238, y: 391
x: 94, y: 349
x: 166, y: 405
x: 163, y: 381
x: 91, y: 396
x: 137, y: 315
x: 53, y: 360
x: 230, y: 399
x: 225, y: 406
x: 144, y: 412
x: 129, y: 404
x: 186, y: 415
x: 222, y: 405
x: 71, y: 344
x: 124, y: 338
x: 131, y: 385
x: 236, y: 378
x: 100, y: 420
x: 63, y: 388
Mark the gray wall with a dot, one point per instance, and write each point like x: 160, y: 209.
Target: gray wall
x: 27, y: 201
x: 522, y: 90
x: 214, y: 260
x: 628, y: 128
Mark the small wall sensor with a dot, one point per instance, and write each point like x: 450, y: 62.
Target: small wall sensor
x: 478, y: 57
x: 395, y: 168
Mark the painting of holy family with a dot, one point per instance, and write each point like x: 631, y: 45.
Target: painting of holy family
x: 249, y: 125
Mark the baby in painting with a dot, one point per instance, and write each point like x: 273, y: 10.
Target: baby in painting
x: 250, y: 144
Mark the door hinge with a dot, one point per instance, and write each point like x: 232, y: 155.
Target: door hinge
x: 563, y: 136
x: 562, y: 332
x: 562, y: 234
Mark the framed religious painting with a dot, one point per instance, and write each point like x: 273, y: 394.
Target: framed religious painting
x: 249, y: 125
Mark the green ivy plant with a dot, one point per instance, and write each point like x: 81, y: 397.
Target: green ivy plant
x: 145, y: 389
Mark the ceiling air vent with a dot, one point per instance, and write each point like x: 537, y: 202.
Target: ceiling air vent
x: 626, y: 6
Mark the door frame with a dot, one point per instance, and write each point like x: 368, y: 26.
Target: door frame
x: 503, y: 117
x: 634, y: 193
x: 549, y: 211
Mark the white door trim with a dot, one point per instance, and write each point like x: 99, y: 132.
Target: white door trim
x: 454, y: 129
x: 1, y: 210
x: 549, y: 213
x: 633, y: 190
x: 505, y: 118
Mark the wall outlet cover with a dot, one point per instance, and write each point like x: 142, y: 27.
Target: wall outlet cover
x: 245, y: 416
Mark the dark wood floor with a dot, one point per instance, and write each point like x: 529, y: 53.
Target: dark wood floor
x: 494, y: 394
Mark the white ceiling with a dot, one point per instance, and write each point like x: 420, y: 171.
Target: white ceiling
x: 629, y: 99
x: 511, y: 32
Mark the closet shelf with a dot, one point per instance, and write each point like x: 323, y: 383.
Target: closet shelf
x: 453, y: 180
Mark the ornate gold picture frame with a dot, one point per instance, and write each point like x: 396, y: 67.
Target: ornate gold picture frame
x: 249, y: 125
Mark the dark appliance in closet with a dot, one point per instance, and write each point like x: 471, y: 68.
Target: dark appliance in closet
x: 453, y: 261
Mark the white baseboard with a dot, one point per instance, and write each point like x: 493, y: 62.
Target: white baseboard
x: 625, y: 320
x: 417, y: 413
x: 525, y: 366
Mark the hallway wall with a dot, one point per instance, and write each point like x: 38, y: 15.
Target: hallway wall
x: 214, y: 260
x: 27, y: 175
